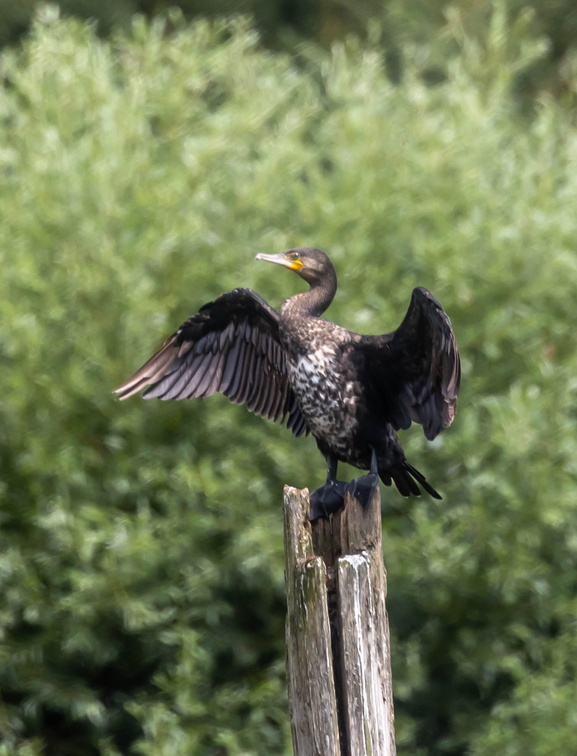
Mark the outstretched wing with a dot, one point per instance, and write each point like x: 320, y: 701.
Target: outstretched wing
x: 231, y: 346
x: 417, y: 368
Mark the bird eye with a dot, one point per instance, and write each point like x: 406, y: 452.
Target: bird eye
x: 294, y: 256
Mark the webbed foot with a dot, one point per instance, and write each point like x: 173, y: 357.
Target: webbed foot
x: 363, y: 488
x: 327, y: 499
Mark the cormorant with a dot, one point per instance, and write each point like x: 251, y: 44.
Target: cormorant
x: 351, y: 391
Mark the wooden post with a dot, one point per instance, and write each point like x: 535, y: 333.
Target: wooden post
x: 337, y: 631
x: 311, y: 684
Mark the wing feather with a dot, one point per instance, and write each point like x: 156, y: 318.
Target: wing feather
x: 209, y: 372
x: 230, y: 367
x: 231, y: 346
x: 262, y: 406
x: 236, y: 387
x: 417, y: 369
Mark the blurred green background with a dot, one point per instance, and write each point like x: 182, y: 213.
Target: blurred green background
x: 143, y: 163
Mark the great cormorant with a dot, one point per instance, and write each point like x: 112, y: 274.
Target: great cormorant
x: 351, y: 391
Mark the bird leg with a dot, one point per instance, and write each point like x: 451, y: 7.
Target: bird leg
x: 329, y: 498
x: 363, y: 488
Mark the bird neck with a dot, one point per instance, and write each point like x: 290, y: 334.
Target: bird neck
x: 314, y: 301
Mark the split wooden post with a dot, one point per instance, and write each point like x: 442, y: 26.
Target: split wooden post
x: 337, y: 631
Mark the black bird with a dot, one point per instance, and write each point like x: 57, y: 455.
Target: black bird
x: 351, y: 391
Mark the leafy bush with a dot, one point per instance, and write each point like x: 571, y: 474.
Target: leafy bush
x: 142, y: 604
x: 387, y: 24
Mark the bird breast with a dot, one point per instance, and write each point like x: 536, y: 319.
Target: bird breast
x: 326, y: 398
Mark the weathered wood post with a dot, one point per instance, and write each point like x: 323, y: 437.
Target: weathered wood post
x: 337, y: 631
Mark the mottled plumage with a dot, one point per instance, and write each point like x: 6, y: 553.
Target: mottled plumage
x: 351, y: 391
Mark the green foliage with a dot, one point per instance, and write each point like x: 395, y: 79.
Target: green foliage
x: 142, y: 605
x: 386, y: 24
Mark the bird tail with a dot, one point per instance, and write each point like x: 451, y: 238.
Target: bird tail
x: 407, y: 479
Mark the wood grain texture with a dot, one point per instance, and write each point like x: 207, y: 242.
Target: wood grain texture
x: 310, y: 674
x: 365, y: 637
x: 347, y: 575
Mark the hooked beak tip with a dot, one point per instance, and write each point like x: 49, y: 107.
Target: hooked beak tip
x: 278, y: 259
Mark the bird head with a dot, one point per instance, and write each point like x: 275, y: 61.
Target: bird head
x: 311, y: 264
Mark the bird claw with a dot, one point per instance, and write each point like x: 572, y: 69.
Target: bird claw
x: 327, y: 499
x: 362, y: 489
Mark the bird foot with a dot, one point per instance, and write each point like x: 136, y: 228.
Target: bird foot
x: 327, y: 499
x: 362, y: 489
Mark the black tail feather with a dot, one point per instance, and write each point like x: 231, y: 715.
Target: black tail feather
x: 405, y: 478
